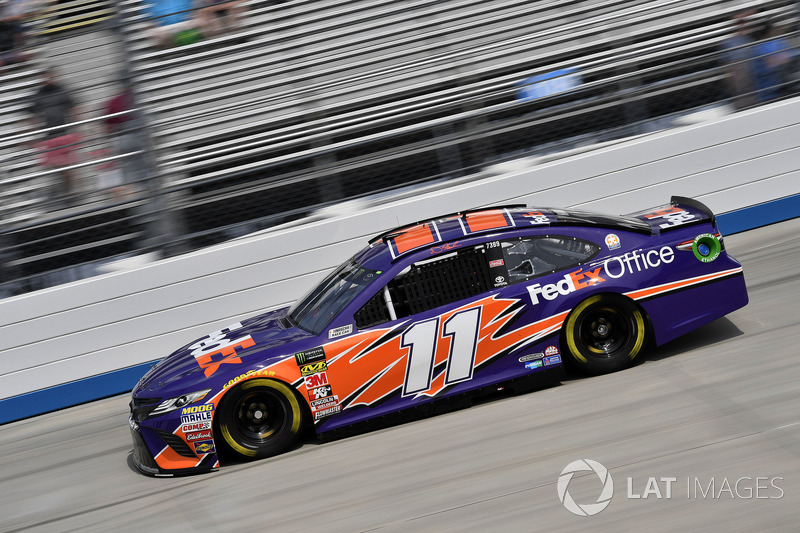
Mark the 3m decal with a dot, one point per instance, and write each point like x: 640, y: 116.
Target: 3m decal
x: 309, y: 356
x: 612, y: 241
x: 673, y: 215
x: 203, y: 447
x: 341, y: 331
x: 313, y: 368
x: 217, y: 349
x: 317, y: 380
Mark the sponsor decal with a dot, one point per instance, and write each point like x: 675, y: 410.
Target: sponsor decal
x: 552, y: 360
x: 195, y: 426
x: 500, y: 281
x: 612, y: 241
x: 551, y: 350
x: 341, y: 331
x: 706, y: 247
x: 327, y: 412
x: 200, y: 435
x: 205, y: 446
x: 531, y: 357
x: 615, y: 267
x: 197, y: 409
x: 533, y: 364
x: 196, y: 417
x: 496, y: 263
x: 309, y: 356
x: 248, y: 374
x: 320, y: 392
x: 569, y: 283
x: 536, y: 217
x: 674, y: 216
x: 445, y: 247
x: 325, y: 403
x: 217, y: 349
x: 316, y: 380
x: 313, y: 368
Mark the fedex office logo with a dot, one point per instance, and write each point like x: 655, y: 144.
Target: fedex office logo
x: 569, y: 283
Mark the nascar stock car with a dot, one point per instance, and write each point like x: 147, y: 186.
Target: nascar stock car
x: 436, y: 310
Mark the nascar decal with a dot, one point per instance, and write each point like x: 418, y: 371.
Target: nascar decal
x: 220, y: 347
x: 340, y: 331
x: 422, y: 358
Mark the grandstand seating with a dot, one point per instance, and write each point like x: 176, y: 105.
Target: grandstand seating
x: 306, y: 103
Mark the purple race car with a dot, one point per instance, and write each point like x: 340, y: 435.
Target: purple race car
x: 434, y: 310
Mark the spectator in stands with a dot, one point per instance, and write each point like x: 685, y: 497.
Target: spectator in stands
x: 124, y: 127
x: 737, y: 54
x: 217, y: 17
x: 52, y: 107
x: 174, y: 23
x: 773, y: 62
x: 12, y: 40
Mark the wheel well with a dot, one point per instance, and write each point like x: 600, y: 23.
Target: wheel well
x: 649, y: 333
x: 300, y: 400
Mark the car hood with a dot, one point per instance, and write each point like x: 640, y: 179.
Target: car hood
x: 182, y: 368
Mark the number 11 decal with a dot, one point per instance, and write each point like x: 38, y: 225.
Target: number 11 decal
x: 422, y: 338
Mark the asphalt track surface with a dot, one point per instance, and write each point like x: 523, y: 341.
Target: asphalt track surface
x: 720, y: 405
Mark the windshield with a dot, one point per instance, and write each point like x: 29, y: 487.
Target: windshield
x: 316, y: 310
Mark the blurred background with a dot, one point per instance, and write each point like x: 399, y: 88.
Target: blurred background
x: 135, y: 130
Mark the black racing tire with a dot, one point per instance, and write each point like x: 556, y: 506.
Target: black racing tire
x: 604, y: 333
x: 258, y: 418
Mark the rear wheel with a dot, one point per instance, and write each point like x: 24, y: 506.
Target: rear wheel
x: 259, y: 418
x: 604, y: 333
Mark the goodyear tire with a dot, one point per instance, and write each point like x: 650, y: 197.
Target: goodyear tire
x: 604, y: 333
x: 258, y: 418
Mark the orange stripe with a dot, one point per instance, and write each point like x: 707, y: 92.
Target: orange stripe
x: 650, y: 291
x: 414, y: 238
x: 486, y: 220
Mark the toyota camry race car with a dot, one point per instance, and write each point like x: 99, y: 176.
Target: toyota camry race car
x: 435, y: 310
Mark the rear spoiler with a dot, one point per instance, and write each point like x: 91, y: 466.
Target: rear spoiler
x: 679, y: 213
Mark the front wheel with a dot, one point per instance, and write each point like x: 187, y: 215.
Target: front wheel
x: 259, y: 418
x: 604, y: 333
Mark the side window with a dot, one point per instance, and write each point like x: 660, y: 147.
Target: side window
x: 427, y: 284
x: 529, y: 257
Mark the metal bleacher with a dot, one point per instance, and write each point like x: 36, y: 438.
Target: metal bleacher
x: 307, y: 103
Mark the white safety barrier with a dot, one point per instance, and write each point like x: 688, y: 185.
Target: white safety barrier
x: 120, y: 320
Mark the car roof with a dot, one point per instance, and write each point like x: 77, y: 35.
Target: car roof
x: 403, y: 240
